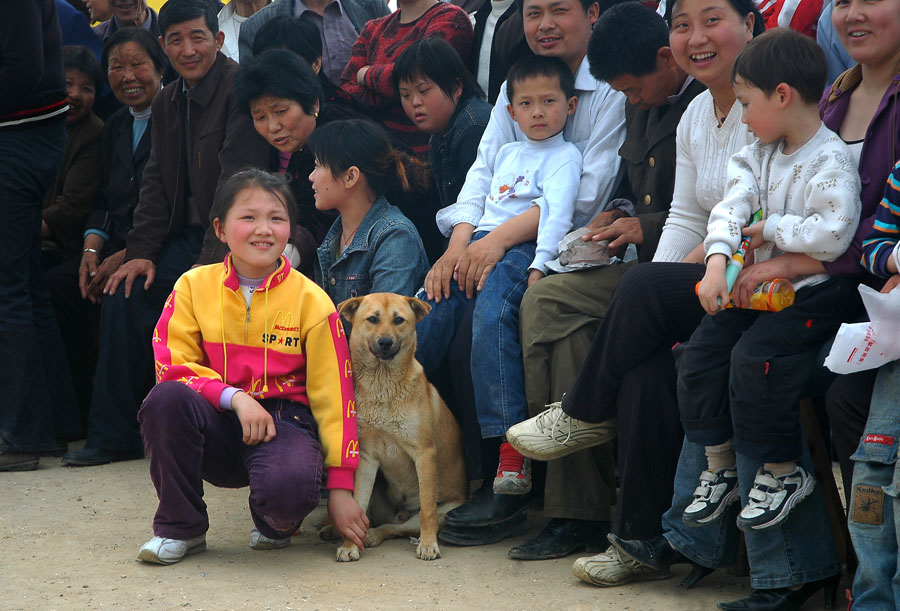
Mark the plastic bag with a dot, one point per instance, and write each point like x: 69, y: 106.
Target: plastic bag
x: 868, y: 345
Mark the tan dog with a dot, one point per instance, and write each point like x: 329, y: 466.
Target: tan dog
x: 405, y: 428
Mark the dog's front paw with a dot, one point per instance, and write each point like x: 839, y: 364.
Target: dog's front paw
x: 347, y: 552
x: 374, y: 537
x: 327, y: 533
x: 428, y: 552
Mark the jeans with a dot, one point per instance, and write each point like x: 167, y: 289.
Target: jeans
x: 496, y: 358
x: 125, y: 359
x: 799, y: 550
x: 874, y: 503
x: 189, y: 441
x: 34, y: 377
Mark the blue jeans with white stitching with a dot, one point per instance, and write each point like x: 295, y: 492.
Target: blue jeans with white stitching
x: 496, y: 359
x: 874, y: 503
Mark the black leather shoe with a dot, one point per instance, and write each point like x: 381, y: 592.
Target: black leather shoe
x: 655, y: 553
x: 784, y: 599
x: 91, y: 457
x: 562, y: 537
x: 19, y: 461
x: 486, y: 508
x: 484, y: 535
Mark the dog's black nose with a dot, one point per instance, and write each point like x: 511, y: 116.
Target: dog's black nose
x: 385, y: 343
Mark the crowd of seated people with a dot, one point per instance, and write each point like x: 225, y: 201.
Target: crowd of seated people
x: 708, y: 146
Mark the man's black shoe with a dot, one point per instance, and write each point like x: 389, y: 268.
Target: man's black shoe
x: 655, y: 553
x: 562, y: 537
x: 484, y: 535
x: 19, y: 461
x: 486, y: 508
x: 91, y: 457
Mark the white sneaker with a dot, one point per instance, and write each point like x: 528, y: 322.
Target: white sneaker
x: 772, y: 498
x: 553, y: 434
x: 716, y: 492
x: 609, y: 569
x: 259, y: 541
x: 160, y: 550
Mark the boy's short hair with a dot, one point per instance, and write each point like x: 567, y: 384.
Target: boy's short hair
x: 174, y: 12
x: 297, y: 35
x: 540, y: 65
x: 639, y: 33
x: 76, y: 57
x: 781, y: 55
x: 436, y: 59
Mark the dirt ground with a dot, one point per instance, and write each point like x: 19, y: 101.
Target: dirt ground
x: 69, y: 537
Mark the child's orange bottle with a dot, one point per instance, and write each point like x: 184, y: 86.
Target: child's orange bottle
x: 773, y: 295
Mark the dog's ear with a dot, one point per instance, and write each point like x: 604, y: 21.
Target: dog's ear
x: 348, y: 308
x: 419, y: 307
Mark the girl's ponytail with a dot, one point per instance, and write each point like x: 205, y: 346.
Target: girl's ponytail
x: 357, y: 142
x: 410, y: 173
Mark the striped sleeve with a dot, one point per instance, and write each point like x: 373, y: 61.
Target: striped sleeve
x: 177, y: 349
x: 331, y: 399
x: 879, y: 244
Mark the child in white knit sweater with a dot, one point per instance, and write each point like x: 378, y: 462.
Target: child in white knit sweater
x: 742, y: 371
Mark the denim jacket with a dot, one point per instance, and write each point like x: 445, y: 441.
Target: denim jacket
x: 385, y: 256
x: 452, y: 153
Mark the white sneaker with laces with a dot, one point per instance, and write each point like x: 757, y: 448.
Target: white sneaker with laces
x: 160, y: 550
x: 554, y: 434
x: 609, y: 569
x: 259, y: 541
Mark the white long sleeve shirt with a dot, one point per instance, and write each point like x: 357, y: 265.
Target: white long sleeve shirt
x: 542, y: 173
x: 809, y: 200
x: 597, y: 129
x: 702, y: 151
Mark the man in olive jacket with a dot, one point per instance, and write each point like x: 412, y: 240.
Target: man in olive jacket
x: 199, y: 137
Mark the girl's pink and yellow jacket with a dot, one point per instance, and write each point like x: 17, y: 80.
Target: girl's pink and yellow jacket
x: 288, y: 344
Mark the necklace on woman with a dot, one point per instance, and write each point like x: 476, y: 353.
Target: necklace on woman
x: 720, y: 116
x: 346, y: 241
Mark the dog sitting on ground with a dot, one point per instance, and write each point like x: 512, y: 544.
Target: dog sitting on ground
x: 406, y: 430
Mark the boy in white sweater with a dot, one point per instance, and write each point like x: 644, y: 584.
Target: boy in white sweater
x: 742, y: 371
x: 545, y: 171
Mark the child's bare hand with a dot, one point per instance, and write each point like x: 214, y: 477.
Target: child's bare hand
x: 755, y: 231
x: 713, y: 290
x: 257, y: 424
x: 534, y: 276
x: 439, y: 277
x: 754, y: 275
x: 479, y: 258
x: 347, y: 516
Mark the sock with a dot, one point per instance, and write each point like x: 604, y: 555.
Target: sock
x: 490, y: 458
x: 780, y: 468
x: 721, y: 456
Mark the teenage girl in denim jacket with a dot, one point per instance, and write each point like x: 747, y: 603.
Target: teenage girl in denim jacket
x: 371, y: 247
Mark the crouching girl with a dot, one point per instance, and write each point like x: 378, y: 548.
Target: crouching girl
x: 254, y: 386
